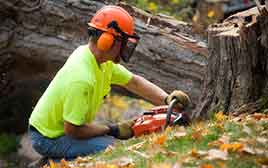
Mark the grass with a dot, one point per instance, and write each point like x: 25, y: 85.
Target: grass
x: 8, y: 143
x: 167, y: 149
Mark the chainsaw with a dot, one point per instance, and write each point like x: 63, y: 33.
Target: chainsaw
x: 159, y: 118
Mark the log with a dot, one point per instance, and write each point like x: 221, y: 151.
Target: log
x: 237, y: 73
x: 37, y: 36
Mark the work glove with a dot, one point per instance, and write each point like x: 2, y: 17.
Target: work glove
x: 122, y: 130
x: 182, y: 97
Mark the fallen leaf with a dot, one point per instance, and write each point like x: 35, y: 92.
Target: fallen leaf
x: 109, y: 149
x: 224, y: 139
x: 194, y: 153
x: 80, y: 160
x: 197, y: 135
x: 236, y: 119
x: 186, y: 158
x: 177, y: 165
x: 198, y: 154
x: 124, y: 162
x: 168, y: 130
x: 160, y: 139
x: 180, y: 134
x: 64, y: 164
x: 201, y: 125
x: 264, y: 133
x: 52, y: 164
x: 154, y: 149
x: 259, y: 116
x: 216, y: 154
x: 137, y: 145
x: 237, y: 146
x: 169, y: 153
x: 262, y: 160
x: 246, y: 129
x: 249, y: 150
x: 221, y: 164
x: 220, y: 116
x: 225, y: 147
x: 144, y: 155
x: 199, y: 130
x: 259, y: 151
x: 220, y: 126
x: 162, y: 165
x: 243, y: 140
x: 231, y: 147
x: 262, y: 140
x: 105, y: 165
x: 206, y: 166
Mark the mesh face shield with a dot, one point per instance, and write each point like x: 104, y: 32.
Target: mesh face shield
x: 129, y: 42
x: 128, y: 47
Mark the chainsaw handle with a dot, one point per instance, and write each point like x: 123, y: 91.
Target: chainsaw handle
x: 170, y: 110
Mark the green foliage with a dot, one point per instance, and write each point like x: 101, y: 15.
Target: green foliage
x: 245, y: 162
x: 180, y: 9
x: 216, y: 108
x: 264, y: 103
x: 234, y: 129
x: 8, y: 143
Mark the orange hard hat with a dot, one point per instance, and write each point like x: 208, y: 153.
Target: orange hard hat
x: 111, y: 13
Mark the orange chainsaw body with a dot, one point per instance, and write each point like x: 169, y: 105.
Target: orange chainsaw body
x: 151, y: 121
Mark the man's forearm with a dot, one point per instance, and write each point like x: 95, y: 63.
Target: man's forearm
x: 85, y: 131
x: 147, y: 90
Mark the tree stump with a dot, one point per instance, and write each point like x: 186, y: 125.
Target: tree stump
x: 237, y: 72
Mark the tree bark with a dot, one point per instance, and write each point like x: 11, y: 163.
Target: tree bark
x: 237, y: 71
x: 37, y: 36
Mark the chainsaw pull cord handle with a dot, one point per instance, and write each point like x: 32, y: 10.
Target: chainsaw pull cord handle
x: 170, y: 110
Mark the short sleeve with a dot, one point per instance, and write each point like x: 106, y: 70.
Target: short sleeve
x: 120, y: 75
x: 76, y: 103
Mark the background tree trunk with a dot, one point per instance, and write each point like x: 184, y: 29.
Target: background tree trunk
x: 237, y: 71
x: 37, y: 36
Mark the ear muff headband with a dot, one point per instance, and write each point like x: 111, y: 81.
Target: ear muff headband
x: 95, y: 33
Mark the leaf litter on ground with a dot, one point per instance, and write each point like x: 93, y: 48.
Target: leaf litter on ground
x: 224, y: 141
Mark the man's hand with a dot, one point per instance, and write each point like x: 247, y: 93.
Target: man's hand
x: 182, y: 97
x: 122, y: 130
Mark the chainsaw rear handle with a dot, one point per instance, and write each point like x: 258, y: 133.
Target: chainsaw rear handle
x: 170, y: 110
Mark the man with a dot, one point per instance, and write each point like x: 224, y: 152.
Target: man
x: 61, y: 123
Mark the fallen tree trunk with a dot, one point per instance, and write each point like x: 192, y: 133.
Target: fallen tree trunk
x: 237, y: 65
x: 36, y: 38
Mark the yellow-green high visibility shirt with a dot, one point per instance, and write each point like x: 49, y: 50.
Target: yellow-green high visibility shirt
x: 76, y: 92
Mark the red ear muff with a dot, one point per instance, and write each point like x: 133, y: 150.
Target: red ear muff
x: 105, y: 41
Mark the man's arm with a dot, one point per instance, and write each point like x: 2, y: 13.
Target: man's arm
x: 146, y: 89
x: 85, y: 131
